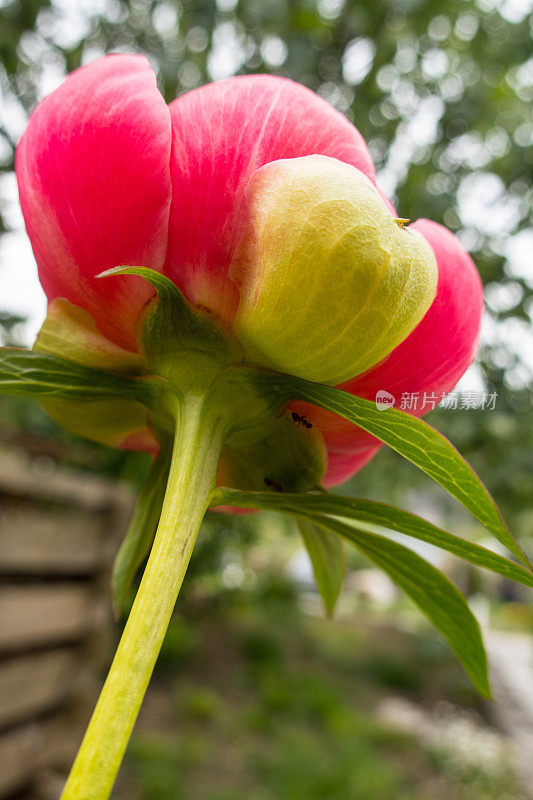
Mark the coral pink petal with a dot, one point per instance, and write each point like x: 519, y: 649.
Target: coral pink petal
x: 433, y: 357
x: 143, y: 441
x: 221, y: 133
x: 232, y: 510
x: 93, y: 173
x: 342, y: 466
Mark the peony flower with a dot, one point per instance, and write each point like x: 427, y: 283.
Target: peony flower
x: 258, y: 200
x: 214, y: 259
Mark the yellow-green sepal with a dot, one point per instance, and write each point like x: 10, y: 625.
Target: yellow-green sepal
x: 330, y: 283
x: 71, y: 333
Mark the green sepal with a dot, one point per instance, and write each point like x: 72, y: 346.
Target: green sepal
x: 276, y: 455
x: 182, y: 343
x: 115, y: 421
x: 328, y: 559
x: 141, y: 531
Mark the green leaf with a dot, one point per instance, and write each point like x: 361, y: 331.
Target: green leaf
x: 138, y: 540
x: 412, y: 438
x: 380, y: 514
x: 28, y: 373
x: 432, y: 592
x: 326, y: 551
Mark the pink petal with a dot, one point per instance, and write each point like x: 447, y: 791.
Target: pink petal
x: 95, y: 188
x: 433, y: 357
x: 342, y: 466
x: 143, y: 441
x: 222, y: 132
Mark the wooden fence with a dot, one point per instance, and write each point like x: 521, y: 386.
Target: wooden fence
x: 59, y: 531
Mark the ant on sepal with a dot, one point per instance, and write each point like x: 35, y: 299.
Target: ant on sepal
x: 276, y: 487
x: 300, y: 420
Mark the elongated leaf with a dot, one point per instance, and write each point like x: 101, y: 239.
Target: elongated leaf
x: 326, y: 551
x: 380, y: 514
x: 138, y: 540
x: 28, y: 373
x: 412, y: 438
x: 432, y: 592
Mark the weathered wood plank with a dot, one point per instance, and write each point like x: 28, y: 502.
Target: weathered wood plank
x: 19, y: 756
x: 37, y: 755
x: 53, y: 522
x: 48, y: 785
x: 31, y: 684
x: 42, y: 541
x: 20, y: 475
x: 31, y: 616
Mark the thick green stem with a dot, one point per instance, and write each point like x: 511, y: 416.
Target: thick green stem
x: 197, y: 445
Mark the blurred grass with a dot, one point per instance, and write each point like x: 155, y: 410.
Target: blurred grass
x: 252, y: 700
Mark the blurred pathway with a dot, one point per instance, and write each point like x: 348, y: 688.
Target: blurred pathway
x: 511, y: 661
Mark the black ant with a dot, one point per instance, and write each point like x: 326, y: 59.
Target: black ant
x: 272, y: 485
x: 301, y: 420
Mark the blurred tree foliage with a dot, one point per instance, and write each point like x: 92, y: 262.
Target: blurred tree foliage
x: 440, y: 89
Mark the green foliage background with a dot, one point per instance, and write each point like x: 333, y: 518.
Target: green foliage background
x: 440, y: 90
